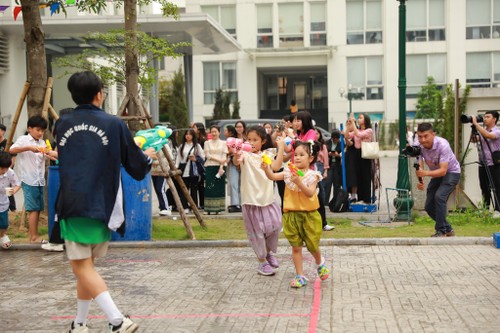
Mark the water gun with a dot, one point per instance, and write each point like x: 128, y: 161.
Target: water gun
x: 266, y: 159
x: 288, y: 140
x: 294, y: 170
x: 45, y: 149
x: 234, y: 144
x: 155, y: 137
x: 245, y: 146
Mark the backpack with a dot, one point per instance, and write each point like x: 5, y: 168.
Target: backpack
x: 340, y: 202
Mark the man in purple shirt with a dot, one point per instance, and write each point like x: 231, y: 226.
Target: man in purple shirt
x: 444, y: 170
x: 489, y: 137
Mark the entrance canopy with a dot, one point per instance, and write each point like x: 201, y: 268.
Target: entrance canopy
x: 63, y: 35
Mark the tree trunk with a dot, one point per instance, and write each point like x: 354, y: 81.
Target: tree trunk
x: 36, y: 58
x: 131, y: 60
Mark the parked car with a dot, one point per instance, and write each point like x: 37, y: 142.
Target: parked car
x: 222, y: 123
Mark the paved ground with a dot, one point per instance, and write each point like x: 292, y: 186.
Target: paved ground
x: 388, y: 288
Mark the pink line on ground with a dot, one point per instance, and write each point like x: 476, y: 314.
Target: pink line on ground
x: 313, y: 322
x: 132, y: 260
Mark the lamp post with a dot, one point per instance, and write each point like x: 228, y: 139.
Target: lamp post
x: 351, y: 94
x: 403, y: 202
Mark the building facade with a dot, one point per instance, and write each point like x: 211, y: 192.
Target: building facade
x: 311, y: 51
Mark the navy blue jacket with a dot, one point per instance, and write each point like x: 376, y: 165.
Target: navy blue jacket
x: 92, y: 145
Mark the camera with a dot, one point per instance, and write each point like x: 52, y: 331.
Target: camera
x: 412, y: 151
x: 464, y: 119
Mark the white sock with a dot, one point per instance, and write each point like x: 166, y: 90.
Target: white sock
x: 115, y: 317
x: 82, y: 310
x: 322, y: 261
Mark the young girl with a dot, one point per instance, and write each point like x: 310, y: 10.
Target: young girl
x: 261, y: 214
x: 301, y: 220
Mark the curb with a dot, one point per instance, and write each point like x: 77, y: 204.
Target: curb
x: 284, y: 242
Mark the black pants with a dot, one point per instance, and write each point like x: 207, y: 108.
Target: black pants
x: 192, y: 186
x: 485, y: 185
x: 159, y: 184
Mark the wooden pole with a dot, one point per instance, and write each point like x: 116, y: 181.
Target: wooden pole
x: 13, y: 126
x: 46, y: 100
x: 178, y: 177
x: 53, y: 113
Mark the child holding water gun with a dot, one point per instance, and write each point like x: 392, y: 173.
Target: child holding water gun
x: 261, y: 214
x: 301, y: 220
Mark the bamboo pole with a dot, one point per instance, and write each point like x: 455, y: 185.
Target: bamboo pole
x: 53, y: 113
x: 13, y: 126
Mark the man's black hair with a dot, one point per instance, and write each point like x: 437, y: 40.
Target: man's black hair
x: 494, y: 114
x: 5, y: 159
x: 335, y: 134
x: 422, y: 127
x: 83, y: 87
x: 2, y: 127
x: 38, y: 121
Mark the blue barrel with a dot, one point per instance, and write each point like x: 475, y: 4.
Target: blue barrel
x: 137, y: 202
x: 52, y: 190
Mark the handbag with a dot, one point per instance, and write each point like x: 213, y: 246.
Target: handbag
x: 369, y: 150
x: 495, y: 156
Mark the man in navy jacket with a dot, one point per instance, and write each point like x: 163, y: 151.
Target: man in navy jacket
x: 91, y: 146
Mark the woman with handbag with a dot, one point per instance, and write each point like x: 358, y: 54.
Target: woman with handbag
x: 358, y: 169
x: 216, y: 153
x: 187, y: 153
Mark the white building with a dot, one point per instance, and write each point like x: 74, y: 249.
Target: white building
x: 268, y: 52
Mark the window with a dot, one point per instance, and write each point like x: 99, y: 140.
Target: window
x: 365, y: 74
x: 364, y: 22
x: 483, y: 69
x: 420, y: 67
x: 218, y: 75
x: 264, y: 26
x: 225, y: 15
x: 483, y: 19
x: 291, y: 23
x: 318, y: 23
x: 426, y: 21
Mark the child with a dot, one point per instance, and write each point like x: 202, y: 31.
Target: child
x: 9, y: 185
x: 30, y: 162
x: 301, y: 220
x: 261, y: 214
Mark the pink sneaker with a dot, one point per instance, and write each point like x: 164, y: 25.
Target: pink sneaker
x: 271, y: 259
x: 265, y: 269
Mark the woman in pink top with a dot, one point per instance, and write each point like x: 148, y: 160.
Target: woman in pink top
x: 358, y: 169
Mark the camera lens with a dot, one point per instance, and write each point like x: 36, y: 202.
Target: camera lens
x: 464, y: 119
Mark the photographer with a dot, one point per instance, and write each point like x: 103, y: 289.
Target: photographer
x: 489, y: 135
x: 444, y: 171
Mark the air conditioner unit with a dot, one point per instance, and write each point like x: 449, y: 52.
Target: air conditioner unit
x: 4, y: 54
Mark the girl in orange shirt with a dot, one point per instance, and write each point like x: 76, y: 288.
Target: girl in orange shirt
x: 301, y: 220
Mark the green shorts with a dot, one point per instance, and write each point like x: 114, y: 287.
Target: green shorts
x: 303, y: 227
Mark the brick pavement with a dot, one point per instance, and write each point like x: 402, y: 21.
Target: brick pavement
x: 428, y: 288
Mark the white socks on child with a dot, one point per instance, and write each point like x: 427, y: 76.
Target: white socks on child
x: 115, y: 317
x: 82, y: 311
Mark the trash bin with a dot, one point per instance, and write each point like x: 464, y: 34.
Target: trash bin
x: 137, y: 202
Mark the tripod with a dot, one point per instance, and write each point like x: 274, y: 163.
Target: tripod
x: 483, y: 163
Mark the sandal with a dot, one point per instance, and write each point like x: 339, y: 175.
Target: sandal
x: 40, y: 241
x: 6, y: 243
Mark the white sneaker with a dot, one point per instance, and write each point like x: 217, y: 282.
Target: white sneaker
x: 52, y: 247
x: 127, y: 326
x: 328, y: 227
x: 79, y: 328
x: 496, y: 214
x: 165, y: 212
x: 186, y: 210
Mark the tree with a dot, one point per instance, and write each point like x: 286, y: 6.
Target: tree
x: 236, y: 109
x: 178, y: 110
x: 226, y: 104
x: 164, y: 89
x: 429, y: 100
x: 113, y: 69
x: 35, y: 44
x: 218, y: 105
